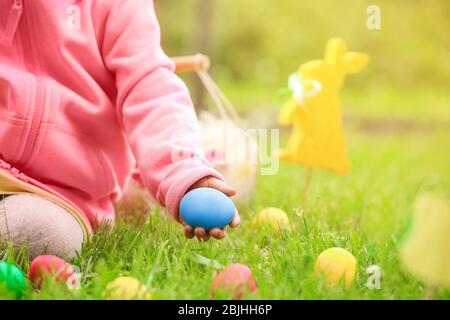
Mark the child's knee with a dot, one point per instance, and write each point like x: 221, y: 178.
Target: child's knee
x: 42, y: 225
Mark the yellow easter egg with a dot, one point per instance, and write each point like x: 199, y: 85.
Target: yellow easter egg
x: 337, y: 265
x: 127, y: 288
x: 272, y: 218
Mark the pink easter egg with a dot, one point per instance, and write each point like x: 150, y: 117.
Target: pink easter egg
x: 52, y: 266
x: 235, y: 280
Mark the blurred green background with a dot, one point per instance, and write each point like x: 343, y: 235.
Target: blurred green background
x: 255, y: 44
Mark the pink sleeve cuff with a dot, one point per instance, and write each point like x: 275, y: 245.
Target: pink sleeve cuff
x: 179, y: 181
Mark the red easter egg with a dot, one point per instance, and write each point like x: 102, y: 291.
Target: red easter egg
x: 52, y: 266
x: 235, y: 280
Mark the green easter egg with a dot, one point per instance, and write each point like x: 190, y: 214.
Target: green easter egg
x: 12, y: 279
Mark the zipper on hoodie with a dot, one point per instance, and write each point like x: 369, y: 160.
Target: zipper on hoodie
x: 39, y: 101
x: 35, y: 121
x: 12, y: 22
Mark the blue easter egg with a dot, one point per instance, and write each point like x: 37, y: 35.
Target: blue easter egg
x: 207, y: 208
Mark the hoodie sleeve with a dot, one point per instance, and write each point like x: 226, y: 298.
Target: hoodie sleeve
x: 154, y: 105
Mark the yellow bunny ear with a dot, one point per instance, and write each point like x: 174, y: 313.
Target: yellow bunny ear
x: 355, y: 62
x: 335, y: 51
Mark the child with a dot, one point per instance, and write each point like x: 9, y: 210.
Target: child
x: 86, y: 93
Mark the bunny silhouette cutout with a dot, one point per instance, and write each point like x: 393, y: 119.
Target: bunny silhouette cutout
x: 314, y: 110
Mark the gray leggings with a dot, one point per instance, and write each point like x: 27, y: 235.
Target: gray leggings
x: 40, y: 225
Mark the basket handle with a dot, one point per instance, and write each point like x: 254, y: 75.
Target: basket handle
x: 200, y: 64
x: 195, y: 63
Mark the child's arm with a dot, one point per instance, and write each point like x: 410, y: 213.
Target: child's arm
x: 153, y: 104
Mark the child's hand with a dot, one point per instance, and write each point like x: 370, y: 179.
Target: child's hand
x: 200, y: 233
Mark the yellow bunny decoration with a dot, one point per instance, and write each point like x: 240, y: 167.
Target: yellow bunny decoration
x: 314, y: 110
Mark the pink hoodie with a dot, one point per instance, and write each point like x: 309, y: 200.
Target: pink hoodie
x: 85, y: 89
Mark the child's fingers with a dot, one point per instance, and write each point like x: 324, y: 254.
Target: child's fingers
x: 201, y: 234
x: 221, y: 186
x: 217, y: 233
x: 236, y: 220
x: 212, y: 182
x: 188, y: 231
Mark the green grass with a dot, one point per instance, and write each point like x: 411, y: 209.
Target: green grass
x: 363, y: 212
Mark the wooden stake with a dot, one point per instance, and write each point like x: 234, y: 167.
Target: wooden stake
x: 306, y: 186
x: 431, y: 291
